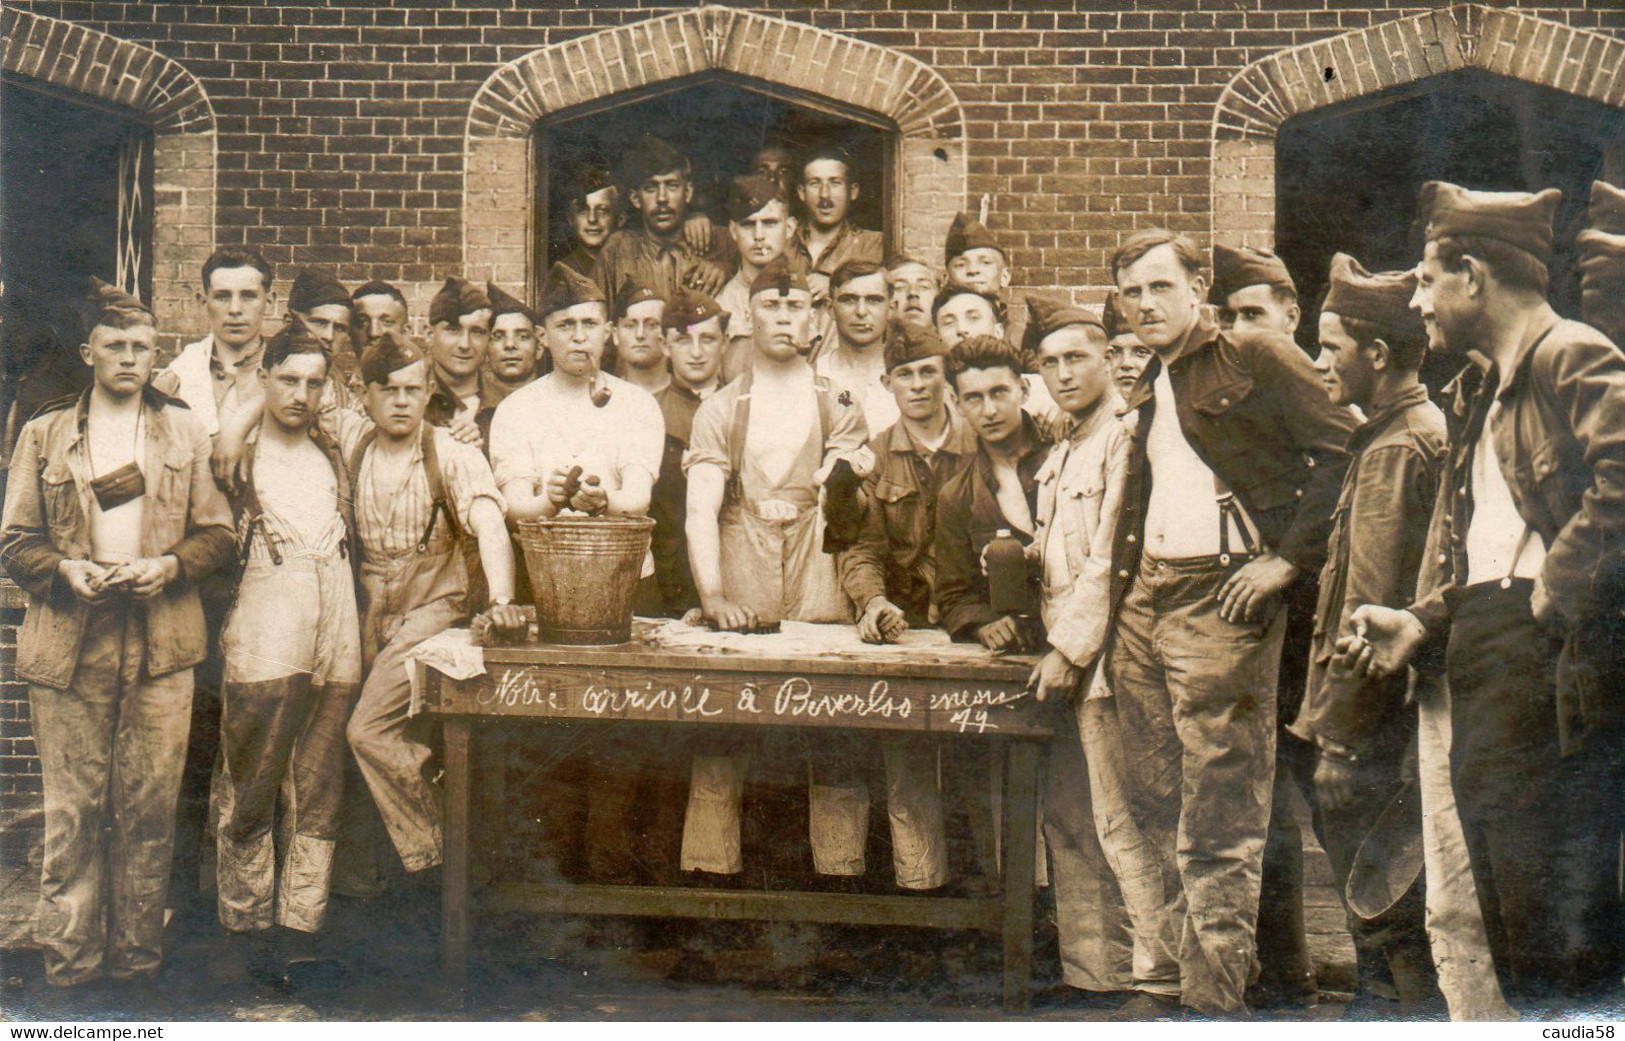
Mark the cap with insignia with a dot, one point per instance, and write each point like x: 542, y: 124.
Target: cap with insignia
x: 649, y: 157
x: 688, y: 308
x: 503, y: 302
x: 458, y: 297
x: 1112, y: 317
x: 1522, y: 220
x: 315, y: 287
x: 907, y: 343
x: 1046, y: 315
x: 779, y: 276
x: 1383, y: 298
x: 566, y: 287
x: 629, y: 295
x: 750, y: 193
x: 107, y: 304
x: 389, y: 352
x: 965, y: 234
x: 1236, y: 268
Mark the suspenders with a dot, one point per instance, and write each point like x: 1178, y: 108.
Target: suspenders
x: 735, y: 491
x: 431, y: 471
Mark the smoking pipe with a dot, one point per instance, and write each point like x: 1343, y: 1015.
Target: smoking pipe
x: 600, y: 389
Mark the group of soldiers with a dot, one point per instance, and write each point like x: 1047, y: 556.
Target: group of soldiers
x: 1235, y: 555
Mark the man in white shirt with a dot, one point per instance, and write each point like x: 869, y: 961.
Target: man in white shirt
x: 856, y: 367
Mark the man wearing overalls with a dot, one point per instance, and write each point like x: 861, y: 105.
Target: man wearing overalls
x: 760, y: 450
x: 417, y: 492
x: 292, y: 647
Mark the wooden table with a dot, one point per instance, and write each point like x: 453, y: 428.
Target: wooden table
x: 814, y: 677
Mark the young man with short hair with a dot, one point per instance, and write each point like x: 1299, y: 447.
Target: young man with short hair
x: 292, y: 647
x: 1371, y: 346
x: 760, y: 223
x: 974, y: 260
x: 513, y: 359
x: 912, y: 287
x: 639, y: 340
x: 1128, y: 355
x: 595, y: 208
x: 459, y: 339
x: 1233, y: 476
x: 656, y: 253
x: 758, y: 456
x: 856, y: 365
x: 111, y: 519
x: 1517, y: 601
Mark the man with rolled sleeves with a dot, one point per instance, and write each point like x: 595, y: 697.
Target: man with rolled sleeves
x: 1371, y: 346
x: 1253, y: 292
x: 1519, y: 593
x: 656, y: 253
x: 1233, y: 475
x: 111, y: 518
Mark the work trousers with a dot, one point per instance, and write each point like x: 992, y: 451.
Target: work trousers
x: 111, y: 748
x: 1541, y: 829
x: 1196, y: 699
x: 293, y: 668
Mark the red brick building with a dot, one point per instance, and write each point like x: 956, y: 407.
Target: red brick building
x: 408, y: 140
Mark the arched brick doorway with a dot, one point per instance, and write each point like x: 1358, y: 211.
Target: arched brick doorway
x: 1356, y: 65
x: 897, y: 90
x: 101, y: 70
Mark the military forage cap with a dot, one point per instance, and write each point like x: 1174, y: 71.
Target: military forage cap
x: 629, y: 294
x: 389, y: 353
x: 1113, y: 317
x: 1235, y: 269
x: 1520, y: 219
x: 688, y: 308
x: 456, y: 298
x: 315, y: 287
x: 1383, y: 298
x: 588, y: 179
x: 649, y: 157
x: 566, y: 287
x: 107, y: 303
x: 780, y: 276
x: 1046, y: 315
x: 965, y: 234
x: 906, y: 343
x: 750, y: 193
x: 503, y: 302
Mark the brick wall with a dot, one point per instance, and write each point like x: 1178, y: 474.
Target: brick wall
x: 341, y: 133
x: 19, y: 767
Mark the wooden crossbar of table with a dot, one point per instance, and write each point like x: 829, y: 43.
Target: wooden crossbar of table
x: 952, y: 692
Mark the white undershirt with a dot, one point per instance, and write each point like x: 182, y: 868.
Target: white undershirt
x: 298, y: 491
x: 1183, y: 517
x: 1012, y: 499
x: 859, y: 375
x: 783, y: 412
x: 1496, y: 527
x: 114, y: 440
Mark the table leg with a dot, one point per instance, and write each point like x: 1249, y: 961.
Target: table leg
x: 492, y: 814
x: 454, y: 892
x: 1020, y: 850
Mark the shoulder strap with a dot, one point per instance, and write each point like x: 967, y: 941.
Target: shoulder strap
x: 359, y: 454
x: 736, y: 438
x: 437, y: 491
x: 826, y: 409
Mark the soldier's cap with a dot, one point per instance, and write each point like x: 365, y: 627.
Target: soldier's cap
x: 315, y: 287
x: 629, y: 294
x: 377, y: 287
x: 750, y: 193
x: 588, y: 179
x: 648, y: 157
x: 389, y: 352
x: 1237, y: 268
x: 965, y: 234
x: 1046, y: 315
x: 504, y: 302
x: 688, y: 308
x: 567, y: 287
x: 107, y: 304
x: 907, y: 343
x: 457, y: 298
x: 1607, y: 210
x: 1113, y: 318
x: 779, y: 276
x: 1522, y: 220
x: 953, y: 289
x: 1383, y: 298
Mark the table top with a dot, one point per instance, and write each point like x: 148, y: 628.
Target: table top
x: 805, y: 675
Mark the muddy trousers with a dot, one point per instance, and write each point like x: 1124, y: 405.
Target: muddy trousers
x: 293, y: 665
x: 1196, y: 698
x: 1541, y: 828
x: 838, y: 813
x: 111, y: 748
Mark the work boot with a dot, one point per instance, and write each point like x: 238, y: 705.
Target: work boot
x: 1145, y: 1007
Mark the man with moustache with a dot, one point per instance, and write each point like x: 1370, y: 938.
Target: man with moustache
x: 1128, y: 355
x: 111, y: 519
x: 856, y: 366
x: 827, y: 186
x: 639, y: 340
x: 911, y: 286
x: 1233, y: 476
x: 656, y: 253
x: 761, y: 226
x: 594, y: 203
x: 1517, y: 603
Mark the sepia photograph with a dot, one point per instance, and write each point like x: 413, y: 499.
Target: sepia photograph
x: 892, y: 512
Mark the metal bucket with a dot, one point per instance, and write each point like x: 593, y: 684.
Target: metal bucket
x: 583, y: 572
